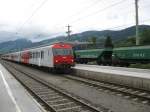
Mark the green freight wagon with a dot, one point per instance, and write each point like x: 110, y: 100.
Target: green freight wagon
x: 128, y: 55
x: 101, y: 56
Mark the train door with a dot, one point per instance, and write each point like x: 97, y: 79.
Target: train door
x: 34, y: 57
x: 31, y: 57
x: 48, y: 57
x: 39, y: 58
x: 19, y: 56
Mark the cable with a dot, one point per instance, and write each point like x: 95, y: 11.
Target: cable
x: 130, y: 24
x: 120, y: 26
x: 88, y: 7
x: 33, y: 13
x: 79, y: 12
x: 101, y: 10
x: 78, y: 19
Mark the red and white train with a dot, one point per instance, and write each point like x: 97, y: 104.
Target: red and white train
x: 57, y: 56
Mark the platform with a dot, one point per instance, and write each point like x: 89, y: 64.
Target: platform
x: 13, y: 96
x: 138, y: 78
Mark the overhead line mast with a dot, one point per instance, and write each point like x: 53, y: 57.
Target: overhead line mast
x: 137, y: 23
x: 68, y: 31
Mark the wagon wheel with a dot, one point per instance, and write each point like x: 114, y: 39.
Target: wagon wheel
x: 98, y: 61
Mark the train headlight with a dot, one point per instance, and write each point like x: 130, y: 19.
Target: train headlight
x: 72, y: 60
x: 56, y: 61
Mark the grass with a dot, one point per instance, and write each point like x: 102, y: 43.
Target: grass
x: 143, y: 66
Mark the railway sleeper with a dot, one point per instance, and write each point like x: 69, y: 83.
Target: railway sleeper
x: 64, y: 105
x: 58, y: 101
x: 48, y: 95
x: 71, y: 109
x: 46, y: 92
x: 53, y: 98
x: 40, y: 90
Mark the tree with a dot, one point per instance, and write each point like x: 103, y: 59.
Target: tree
x: 93, y: 40
x: 108, y: 42
x: 145, y: 37
x: 131, y: 40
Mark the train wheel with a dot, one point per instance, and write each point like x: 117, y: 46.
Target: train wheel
x: 127, y: 64
x: 85, y: 62
x: 98, y: 62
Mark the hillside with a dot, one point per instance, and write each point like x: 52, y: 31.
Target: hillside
x: 81, y: 37
x: 85, y: 36
x: 15, y: 45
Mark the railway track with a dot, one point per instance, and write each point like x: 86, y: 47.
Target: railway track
x: 128, y: 92
x: 52, y: 98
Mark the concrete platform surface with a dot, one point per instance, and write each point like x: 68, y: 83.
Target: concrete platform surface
x: 132, y: 77
x: 13, y: 97
x: 133, y: 72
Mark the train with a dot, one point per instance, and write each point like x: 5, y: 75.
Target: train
x: 122, y: 56
x: 58, y: 56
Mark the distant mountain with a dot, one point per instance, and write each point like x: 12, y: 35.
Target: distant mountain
x: 85, y: 36
x: 81, y: 37
x: 15, y: 45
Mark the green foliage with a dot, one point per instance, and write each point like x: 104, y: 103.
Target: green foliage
x: 145, y: 37
x: 94, y: 40
x: 143, y: 66
x: 130, y: 41
x: 108, y: 42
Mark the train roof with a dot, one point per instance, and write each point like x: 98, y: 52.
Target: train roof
x: 133, y: 47
x: 100, y: 49
x: 39, y: 47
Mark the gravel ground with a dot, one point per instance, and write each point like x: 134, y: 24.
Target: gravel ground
x: 108, y: 100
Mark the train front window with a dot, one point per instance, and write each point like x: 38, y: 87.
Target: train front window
x: 62, y: 51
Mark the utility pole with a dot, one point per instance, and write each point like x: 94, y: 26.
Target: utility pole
x: 137, y: 23
x: 68, y: 31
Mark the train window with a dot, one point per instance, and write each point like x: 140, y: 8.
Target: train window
x: 36, y: 54
x: 42, y: 54
x: 33, y: 55
x: 62, y: 51
x: 30, y: 54
x: 48, y: 52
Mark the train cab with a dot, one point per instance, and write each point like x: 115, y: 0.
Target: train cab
x: 62, y: 55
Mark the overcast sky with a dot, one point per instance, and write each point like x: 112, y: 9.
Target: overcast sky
x: 42, y: 19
